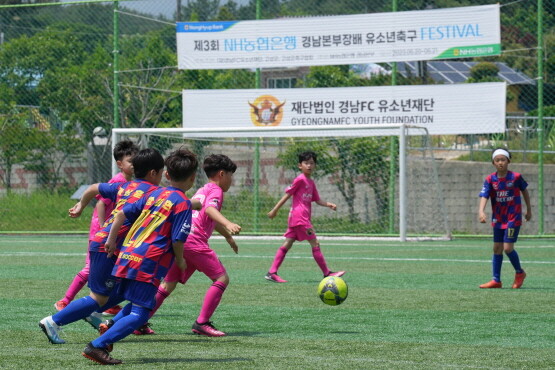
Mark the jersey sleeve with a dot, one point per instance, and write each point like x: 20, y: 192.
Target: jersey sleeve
x: 292, y: 189
x: 109, y: 190
x: 214, y: 198
x: 181, y: 226
x: 521, y: 183
x: 486, y: 188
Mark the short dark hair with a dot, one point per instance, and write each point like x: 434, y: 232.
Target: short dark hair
x: 218, y: 162
x: 146, y: 160
x: 306, y: 156
x: 125, y: 148
x: 181, y: 164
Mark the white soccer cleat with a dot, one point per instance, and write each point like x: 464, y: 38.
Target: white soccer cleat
x: 51, y: 329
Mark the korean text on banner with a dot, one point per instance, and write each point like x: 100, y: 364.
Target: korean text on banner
x: 464, y: 32
x: 441, y: 109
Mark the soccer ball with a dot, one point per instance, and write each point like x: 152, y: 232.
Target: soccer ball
x: 333, y: 290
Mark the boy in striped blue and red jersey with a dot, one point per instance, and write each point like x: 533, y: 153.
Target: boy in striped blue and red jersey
x: 148, y: 165
x: 162, y: 222
x: 504, y: 187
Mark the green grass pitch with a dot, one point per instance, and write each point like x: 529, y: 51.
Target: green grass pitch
x: 413, y: 305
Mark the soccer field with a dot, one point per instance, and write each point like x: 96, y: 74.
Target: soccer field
x: 412, y: 305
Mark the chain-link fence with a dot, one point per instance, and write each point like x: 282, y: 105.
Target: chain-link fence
x: 66, y: 68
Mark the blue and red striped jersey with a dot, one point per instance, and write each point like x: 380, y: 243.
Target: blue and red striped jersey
x: 120, y: 193
x: 160, y: 219
x: 506, y: 202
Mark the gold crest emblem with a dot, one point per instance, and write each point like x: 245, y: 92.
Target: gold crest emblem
x: 266, y: 111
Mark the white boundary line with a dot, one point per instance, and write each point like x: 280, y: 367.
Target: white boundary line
x: 393, y: 259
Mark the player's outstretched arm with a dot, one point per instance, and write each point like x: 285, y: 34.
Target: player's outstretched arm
x: 86, y: 198
x: 323, y: 203
x: 228, y: 238
x: 110, y: 245
x: 216, y: 216
x: 279, y: 204
x: 481, y: 207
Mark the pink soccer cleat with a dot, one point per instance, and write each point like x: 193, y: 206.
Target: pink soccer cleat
x: 274, y: 277
x: 336, y: 274
x: 207, y: 329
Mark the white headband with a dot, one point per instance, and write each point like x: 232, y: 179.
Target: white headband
x: 500, y: 151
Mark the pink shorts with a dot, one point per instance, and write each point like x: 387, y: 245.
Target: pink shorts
x: 205, y: 261
x: 300, y: 233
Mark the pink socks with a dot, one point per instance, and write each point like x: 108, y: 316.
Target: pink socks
x: 211, y: 301
x: 161, y: 296
x: 278, y: 259
x: 76, y: 285
x: 319, y: 258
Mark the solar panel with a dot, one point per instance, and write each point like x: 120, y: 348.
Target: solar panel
x: 457, y: 72
x: 503, y: 67
x: 440, y: 66
x: 457, y: 77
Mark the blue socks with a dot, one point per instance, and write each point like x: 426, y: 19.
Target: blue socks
x: 496, y: 263
x: 76, y: 310
x: 123, y: 327
x: 126, y: 310
x: 515, y: 261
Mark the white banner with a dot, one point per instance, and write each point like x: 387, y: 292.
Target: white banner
x: 464, y: 32
x: 346, y: 111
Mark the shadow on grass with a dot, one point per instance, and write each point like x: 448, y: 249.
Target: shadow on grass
x: 344, y: 332
x: 192, y: 339
x: 244, y: 334
x: 187, y: 360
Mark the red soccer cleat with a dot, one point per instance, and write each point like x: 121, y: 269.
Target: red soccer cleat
x: 60, y: 305
x: 207, y: 329
x: 491, y: 284
x: 519, y: 279
x: 144, y: 330
x: 112, y: 310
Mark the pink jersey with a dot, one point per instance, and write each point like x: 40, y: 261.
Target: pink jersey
x: 303, y: 191
x: 108, y: 205
x: 210, y: 195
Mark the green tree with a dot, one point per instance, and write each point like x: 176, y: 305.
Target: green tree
x: 50, y: 151
x: 14, y: 149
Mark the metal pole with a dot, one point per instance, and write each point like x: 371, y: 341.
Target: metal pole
x: 256, y: 159
x: 391, y: 203
x: 540, y: 119
x: 116, y: 77
x: 402, y: 185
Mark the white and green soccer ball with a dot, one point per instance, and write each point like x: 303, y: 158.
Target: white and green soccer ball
x: 333, y: 290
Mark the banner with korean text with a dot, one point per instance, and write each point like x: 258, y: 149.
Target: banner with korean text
x: 348, y: 39
x: 346, y: 111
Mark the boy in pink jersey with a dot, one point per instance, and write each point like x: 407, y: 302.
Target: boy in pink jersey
x: 197, y: 253
x: 124, y: 151
x: 304, y: 192
x: 504, y: 187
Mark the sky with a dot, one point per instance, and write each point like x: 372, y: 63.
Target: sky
x: 166, y: 8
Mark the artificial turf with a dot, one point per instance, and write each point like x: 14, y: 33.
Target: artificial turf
x: 413, y: 305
